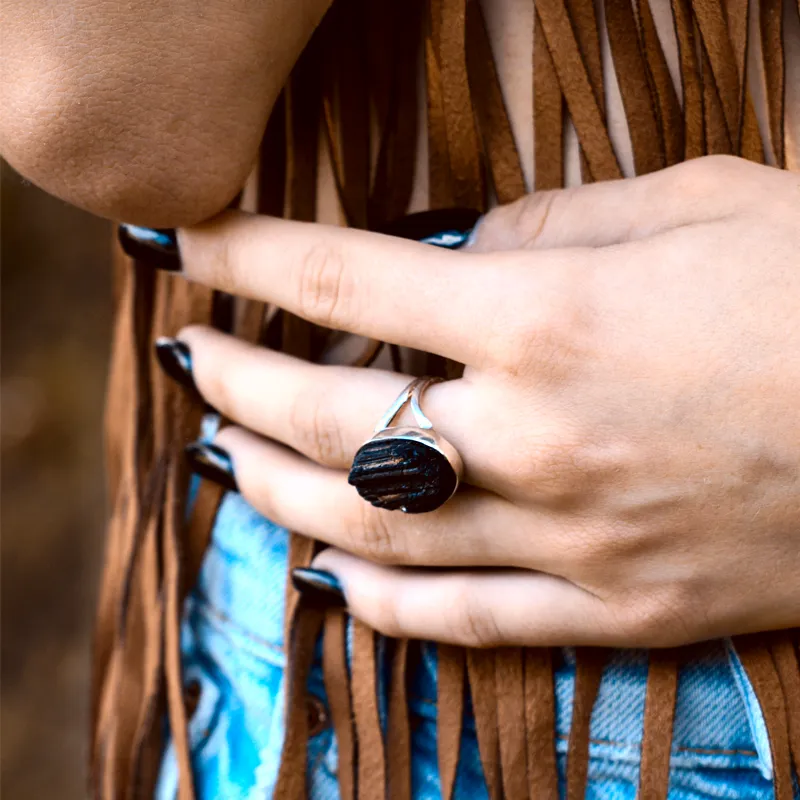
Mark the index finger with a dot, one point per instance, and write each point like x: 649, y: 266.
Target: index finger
x: 378, y: 286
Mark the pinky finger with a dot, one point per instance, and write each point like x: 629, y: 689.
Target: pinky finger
x: 486, y: 608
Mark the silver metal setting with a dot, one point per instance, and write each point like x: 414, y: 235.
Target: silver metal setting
x: 422, y: 434
x: 413, y: 393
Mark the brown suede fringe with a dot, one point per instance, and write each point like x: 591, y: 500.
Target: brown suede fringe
x: 355, y: 90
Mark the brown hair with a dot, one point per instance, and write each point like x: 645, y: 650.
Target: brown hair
x: 356, y: 86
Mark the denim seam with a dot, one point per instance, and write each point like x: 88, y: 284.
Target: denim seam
x: 755, y: 716
x: 703, y: 751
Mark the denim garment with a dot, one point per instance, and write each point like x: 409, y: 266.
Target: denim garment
x: 233, y: 649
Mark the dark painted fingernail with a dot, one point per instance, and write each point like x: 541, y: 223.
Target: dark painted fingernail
x: 318, y: 588
x: 176, y: 360
x: 450, y: 239
x: 212, y: 462
x: 445, y: 227
x: 157, y: 247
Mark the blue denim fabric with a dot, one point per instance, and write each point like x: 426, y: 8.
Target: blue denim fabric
x: 233, y: 648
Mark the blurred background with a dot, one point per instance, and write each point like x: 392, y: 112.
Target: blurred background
x: 55, y: 313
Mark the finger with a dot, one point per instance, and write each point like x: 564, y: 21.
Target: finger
x: 473, y: 528
x: 612, y: 212
x: 328, y: 412
x: 324, y: 412
x: 487, y: 608
x: 378, y: 286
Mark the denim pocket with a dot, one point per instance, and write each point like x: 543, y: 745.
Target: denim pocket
x: 713, y: 753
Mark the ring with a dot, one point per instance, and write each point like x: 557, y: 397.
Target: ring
x: 413, y: 469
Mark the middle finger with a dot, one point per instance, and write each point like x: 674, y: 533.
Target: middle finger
x: 474, y: 528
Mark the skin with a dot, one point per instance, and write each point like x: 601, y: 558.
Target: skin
x: 628, y: 417
x: 112, y: 106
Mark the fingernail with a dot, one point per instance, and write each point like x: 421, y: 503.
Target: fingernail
x: 157, y: 247
x: 450, y: 240
x: 212, y: 462
x: 318, y: 588
x: 445, y: 227
x: 175, y: 359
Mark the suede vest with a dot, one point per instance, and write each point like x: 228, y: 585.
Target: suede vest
x: 355, y: 85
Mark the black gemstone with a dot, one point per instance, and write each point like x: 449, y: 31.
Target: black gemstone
x: 402, y: 474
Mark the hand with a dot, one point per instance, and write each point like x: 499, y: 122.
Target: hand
x: 628, y: 419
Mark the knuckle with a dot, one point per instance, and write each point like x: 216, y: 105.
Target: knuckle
x: 705, y: 176
x: 526, y: 224
x: 470, y: 621
x: 536, y: 215
x: 663, y: 618
x: 721, y: 165
x: 524, y: 345
x: 605, y: 548
x: 544, y: 466
x: 372, y: 537
x: 564, y: 471
x: 324, y: 289
x: 549, y: 336
x: 315, y: 428
x: 589, y: 550
x: 565, y: 467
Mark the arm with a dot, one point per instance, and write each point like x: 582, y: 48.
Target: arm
x: 146, y: 111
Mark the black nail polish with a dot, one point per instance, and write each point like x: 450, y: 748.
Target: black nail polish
x: 212, y: 462
x: 157, y: 247
x: 175, y: 359
x: 318, y: 588
x: 445, y: 227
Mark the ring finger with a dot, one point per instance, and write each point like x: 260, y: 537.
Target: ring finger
x: 324, y: 412
x: 475, y: 528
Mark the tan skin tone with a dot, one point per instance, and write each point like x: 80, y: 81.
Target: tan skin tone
x: 629, y: 416
x: 113, y: 106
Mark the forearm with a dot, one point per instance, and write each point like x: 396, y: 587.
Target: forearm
x: 144, y: 111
